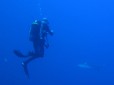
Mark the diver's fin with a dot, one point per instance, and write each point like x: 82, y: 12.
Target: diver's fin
x: 18, y: 53
x: 25, y: 69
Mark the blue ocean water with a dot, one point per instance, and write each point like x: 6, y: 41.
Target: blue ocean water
x: 80, y: 52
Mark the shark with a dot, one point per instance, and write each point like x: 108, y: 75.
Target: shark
x: 84, y: 65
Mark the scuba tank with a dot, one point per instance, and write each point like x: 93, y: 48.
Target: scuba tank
x: 34, y: 33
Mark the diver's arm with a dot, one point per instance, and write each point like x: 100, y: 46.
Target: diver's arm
x: 51, y: 32
x: 46, y: 28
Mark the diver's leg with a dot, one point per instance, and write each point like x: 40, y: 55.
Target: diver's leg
x: 20, y: 54
x: 39, y: 52
x: 29, y: 60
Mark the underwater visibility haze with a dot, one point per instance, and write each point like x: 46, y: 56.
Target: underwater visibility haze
x: 81, y: 51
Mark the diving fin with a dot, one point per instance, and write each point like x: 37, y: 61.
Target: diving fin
x: 18, y: 53
x: 25, y: 69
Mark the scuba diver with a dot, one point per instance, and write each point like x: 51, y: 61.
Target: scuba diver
x: 38, y: 36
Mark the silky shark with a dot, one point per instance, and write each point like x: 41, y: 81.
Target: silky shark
x: 84, y: 65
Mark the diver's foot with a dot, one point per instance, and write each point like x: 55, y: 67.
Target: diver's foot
x: 25, y: 69
x: 23, y: 64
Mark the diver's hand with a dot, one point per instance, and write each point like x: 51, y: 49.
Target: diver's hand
x: 51, y: 32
